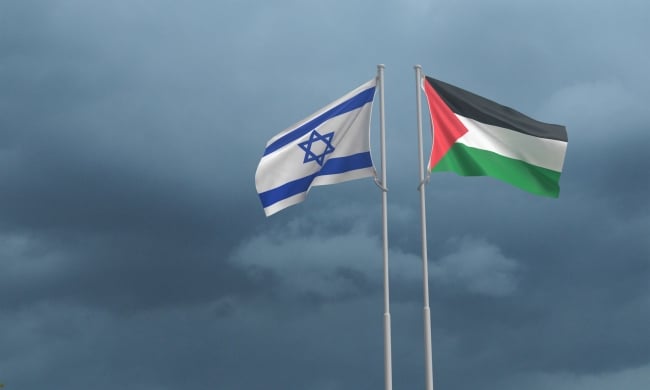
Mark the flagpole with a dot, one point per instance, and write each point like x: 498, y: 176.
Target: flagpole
x: 388, y: 365
x: 423, y: 223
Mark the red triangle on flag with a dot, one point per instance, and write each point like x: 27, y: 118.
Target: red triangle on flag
x: 447, y: 128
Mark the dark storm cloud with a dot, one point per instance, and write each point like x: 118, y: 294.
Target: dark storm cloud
x: 105, y: 155
x: 133, y: 249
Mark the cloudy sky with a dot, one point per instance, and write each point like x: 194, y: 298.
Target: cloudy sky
x: 134, y: 252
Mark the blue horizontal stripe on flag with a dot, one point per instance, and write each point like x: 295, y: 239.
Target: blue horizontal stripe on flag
x: 332, y: 166
x: 347, y: 163
x: 353, y: 103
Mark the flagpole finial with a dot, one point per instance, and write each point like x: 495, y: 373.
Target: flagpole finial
x: 381, y: 66
x: 417, y: 66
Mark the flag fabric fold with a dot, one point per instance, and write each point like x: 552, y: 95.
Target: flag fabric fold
x: 474, y: 136
x: 328, y: 147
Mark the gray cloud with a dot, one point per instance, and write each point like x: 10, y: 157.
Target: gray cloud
x: 479, y: 267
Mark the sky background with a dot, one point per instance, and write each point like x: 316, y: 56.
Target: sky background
x: 134, y: 252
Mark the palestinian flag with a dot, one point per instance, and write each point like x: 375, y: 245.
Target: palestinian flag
x: 474, y: 136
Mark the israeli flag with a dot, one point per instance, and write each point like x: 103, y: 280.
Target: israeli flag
x: 330, y: 146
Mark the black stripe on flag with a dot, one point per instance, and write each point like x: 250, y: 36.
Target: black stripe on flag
x: 472, y: 106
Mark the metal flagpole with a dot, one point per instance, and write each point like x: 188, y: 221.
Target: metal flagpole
x: 423, y: 223
x: 388, y: 365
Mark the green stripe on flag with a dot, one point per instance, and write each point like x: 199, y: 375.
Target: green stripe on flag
x: 467, y: 161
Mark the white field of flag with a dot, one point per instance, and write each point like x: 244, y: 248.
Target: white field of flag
x: 328, y: 147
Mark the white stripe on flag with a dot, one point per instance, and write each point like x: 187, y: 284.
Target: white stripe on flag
x: 542, y: 152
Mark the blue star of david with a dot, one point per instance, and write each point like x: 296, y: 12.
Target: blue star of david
x: 307, y: 145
